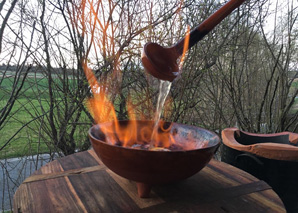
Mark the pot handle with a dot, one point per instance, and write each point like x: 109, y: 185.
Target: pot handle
x: 248, y: 155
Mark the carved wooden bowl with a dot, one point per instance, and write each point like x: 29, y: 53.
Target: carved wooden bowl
x: 148, y: 167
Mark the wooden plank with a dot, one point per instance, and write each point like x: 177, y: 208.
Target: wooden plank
x: 244, y: 204
x: 81, y: 160
x: 231, y: 173
x: 215, y: 176
x: 270, y: 195
x: 49, y: 168
x: 47, y: 196
x: 181, y: 207
x: 100, y: 193
x: 77, y: 161
x: 23, y: 203
x: 266, y: 200
x: 94, y: 155
x: 130, y: 187
x: 226, y: 199
x: 47, y: 176
x: 205, y: 193
x: 76, y: 196
x: 204, y: 182
x: 236, y: 191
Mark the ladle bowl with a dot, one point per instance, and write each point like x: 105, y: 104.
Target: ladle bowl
x: 161, y: 62
x: 148, y: 167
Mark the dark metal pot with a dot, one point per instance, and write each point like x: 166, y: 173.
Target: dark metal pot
x: 269, y: 157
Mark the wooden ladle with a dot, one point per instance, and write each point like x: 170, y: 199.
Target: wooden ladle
x: 161, y: 62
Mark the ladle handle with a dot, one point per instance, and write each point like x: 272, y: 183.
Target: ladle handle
x: 204, y: 28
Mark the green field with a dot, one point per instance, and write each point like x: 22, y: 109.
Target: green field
x: 26, y: 141
x: 32, y: 103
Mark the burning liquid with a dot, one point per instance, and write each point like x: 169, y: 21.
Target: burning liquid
x: 155, y: 136
x: 164, y: 89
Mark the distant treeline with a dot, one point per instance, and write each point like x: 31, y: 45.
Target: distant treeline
x: 40, y: 69
x: 35, y: 69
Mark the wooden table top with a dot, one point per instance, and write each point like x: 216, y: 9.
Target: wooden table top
x: 81, y: 183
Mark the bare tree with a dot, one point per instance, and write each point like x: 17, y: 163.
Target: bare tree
x: 15, y: 54
x: 237, y: 75
x: 104, y: 36
x: 248, y: 83
x: 15, y: 57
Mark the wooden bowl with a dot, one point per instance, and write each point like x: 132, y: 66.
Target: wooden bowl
x: 148, y: 167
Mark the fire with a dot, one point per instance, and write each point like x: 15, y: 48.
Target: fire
x: 131, y: 134
x: 103, y: 111
x: 185, y: 48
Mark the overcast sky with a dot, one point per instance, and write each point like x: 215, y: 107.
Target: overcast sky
x: 269, y: 23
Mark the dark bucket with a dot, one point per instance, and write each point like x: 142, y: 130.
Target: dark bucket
x: 269, y: 157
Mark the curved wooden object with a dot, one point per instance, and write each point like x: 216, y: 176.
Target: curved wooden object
x: 271, y: 150
x: 161, y: 62
x: 156, y: 167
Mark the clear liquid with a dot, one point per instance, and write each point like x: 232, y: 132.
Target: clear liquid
x: 164, y: 89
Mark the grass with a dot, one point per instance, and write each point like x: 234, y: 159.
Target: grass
x: 34, y: 96
x: 26, y: 141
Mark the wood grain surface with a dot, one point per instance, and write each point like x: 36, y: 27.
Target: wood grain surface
x: 81, y: 183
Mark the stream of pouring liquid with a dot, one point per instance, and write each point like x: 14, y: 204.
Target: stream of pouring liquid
x: 164, y: 89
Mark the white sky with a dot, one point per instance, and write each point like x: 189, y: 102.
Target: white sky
x: 269, y: 24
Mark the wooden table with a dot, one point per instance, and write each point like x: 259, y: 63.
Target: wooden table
x: 81, y: 183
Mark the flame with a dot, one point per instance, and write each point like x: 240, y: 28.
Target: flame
x: 165, y: 136
x: 131, y: 134
x: 185, y: 47
x: 102, y: 110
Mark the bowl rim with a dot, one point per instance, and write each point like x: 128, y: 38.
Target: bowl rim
x: 216, y: 145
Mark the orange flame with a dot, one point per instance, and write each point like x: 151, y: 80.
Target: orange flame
x: 130, y: 134
x: 185, y: 47
x: 102, y: 109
